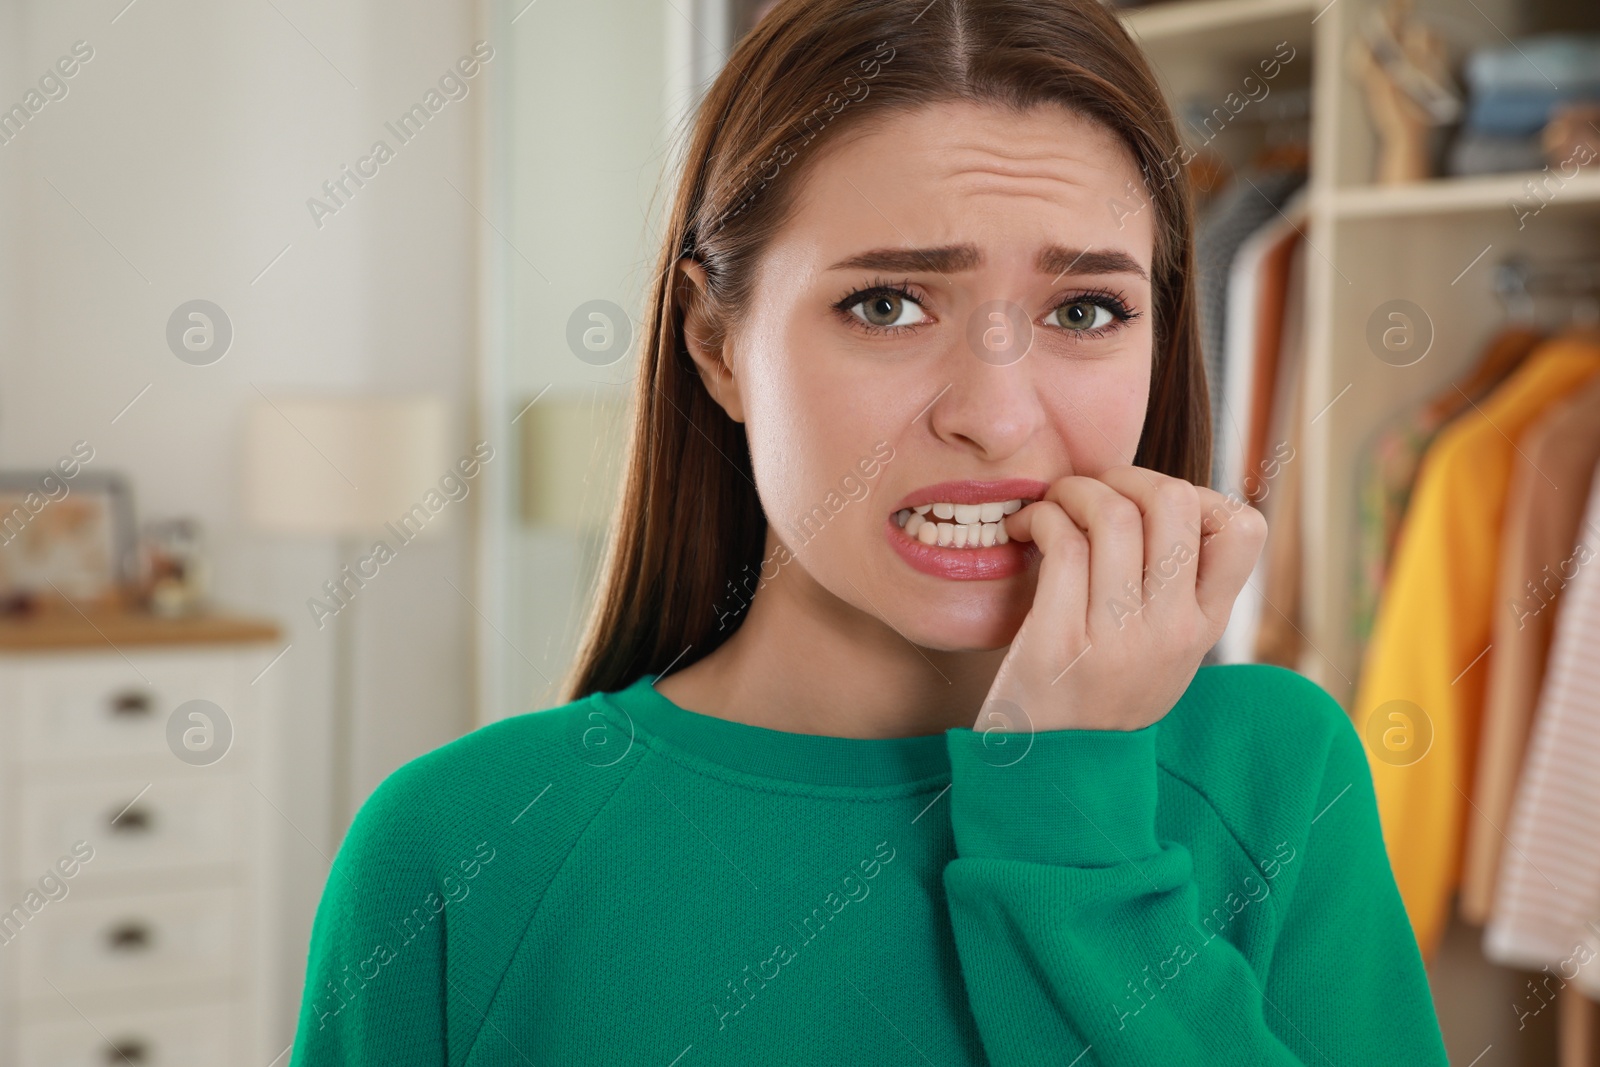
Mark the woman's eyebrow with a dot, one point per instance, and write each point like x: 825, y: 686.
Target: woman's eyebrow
x: 1054, y: 260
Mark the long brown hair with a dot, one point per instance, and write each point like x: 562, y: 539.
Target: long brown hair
x: 689, y: 531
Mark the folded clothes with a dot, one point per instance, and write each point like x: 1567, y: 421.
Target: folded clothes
x: 1523, y: 111
x: 1572, y: 137
x: 1473, y: 152
x: 1557, y: 62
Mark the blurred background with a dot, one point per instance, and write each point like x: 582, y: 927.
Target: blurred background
x: 316, y: 328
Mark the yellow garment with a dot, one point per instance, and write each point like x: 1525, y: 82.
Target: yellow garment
x: 1434, y: 624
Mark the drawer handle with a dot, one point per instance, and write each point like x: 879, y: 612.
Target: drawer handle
x: 133, y: 820
x: 127, y: 1050
x: 132, y: 936
x: 130, y: 702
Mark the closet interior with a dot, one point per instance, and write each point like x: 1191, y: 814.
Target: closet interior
x: 1399, y: 274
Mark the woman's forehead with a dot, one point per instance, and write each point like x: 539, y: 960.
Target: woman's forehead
x: 1006, y: 185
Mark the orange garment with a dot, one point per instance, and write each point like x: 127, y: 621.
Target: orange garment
x: 1433, y: 631
x: 1386, y: 469
x: 1544, y: 509
x: 1578, y: 1042
x: 1272, y: 309
x: 1280, y: 638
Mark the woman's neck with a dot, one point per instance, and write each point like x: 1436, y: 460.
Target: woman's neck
x: 805, y: 661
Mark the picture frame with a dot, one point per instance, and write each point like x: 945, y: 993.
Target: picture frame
x: 65, y: 538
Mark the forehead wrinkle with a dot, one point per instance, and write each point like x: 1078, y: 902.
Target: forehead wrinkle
x: 1062, y: 176
x: 1056, y: 190
x: 1018, y: 146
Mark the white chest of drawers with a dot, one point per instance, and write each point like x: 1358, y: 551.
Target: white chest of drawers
x: 137, y: 835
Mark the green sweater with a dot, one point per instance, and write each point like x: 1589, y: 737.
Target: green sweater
x: 623, y: 881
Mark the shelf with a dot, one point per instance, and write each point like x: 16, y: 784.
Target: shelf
x: 1184, y: 19
x: 1442, y: 196
x: 104, y: 627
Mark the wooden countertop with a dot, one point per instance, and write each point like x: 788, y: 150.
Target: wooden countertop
x: 69, y: 628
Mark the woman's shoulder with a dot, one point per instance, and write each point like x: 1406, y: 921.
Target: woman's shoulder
x: 1264, y: 745
x: 1260, y: 700
x: 532, y: 778
x: 1269, y: 709
x: 440, y: 875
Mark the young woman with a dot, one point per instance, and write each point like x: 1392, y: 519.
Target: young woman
x: 889, y: 741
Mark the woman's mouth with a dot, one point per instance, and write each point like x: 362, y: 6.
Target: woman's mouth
x: 951, y: 525
x: 956, y: 530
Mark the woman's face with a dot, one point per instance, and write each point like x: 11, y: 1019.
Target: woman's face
x: 886, y: 363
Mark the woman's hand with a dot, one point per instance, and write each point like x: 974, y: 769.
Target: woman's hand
x: 1138, y: 577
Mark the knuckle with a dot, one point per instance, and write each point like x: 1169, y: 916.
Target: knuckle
x: 1068, y: 539
x: 1252, y: 521
x: 1056, y: 530
x: 1122, y: 515
x: 1179, y: 495
x: 1044, y: 514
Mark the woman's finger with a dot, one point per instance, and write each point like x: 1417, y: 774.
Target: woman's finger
x: 1171, y: 508
x: 1235, y: 533
x: 1061, y: 598
x: 1115, y: 527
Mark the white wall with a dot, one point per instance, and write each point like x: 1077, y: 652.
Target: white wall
x: 187, y: 148
x: 585, y: 133
x: 178, y: 167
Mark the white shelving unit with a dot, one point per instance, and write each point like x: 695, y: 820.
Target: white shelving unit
x: 1442, y: 196
x: 1435, y: 243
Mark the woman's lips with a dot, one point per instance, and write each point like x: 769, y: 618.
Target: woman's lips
x: 966, y: 564
x: 969, y: 491
x: 961, y: 564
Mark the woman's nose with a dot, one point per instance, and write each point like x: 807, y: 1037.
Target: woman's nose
x: 991, y: 405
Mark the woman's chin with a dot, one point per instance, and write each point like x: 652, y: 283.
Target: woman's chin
x: 968, y: 634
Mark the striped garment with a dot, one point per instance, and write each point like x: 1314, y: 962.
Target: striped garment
x: 1547, y: 902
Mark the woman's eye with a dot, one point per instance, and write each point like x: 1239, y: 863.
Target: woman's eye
x: 1083, y: 315
x: 888, y: 310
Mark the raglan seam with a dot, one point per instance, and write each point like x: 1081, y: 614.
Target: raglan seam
x: 533, y: 914
x: 1325, y: 750
x: 1221, y: 819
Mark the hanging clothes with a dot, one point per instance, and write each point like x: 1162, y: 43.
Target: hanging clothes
x: 1579, y: 1019
x: 1277, y: 332
x: 1433, y: 630
x: 1280, y: 638
x: 1544, y: 510
x: 1237, y: 211
x: 1386, y: 469
x: 1258, y: 287
x: 1258, y: 291
x: 1547, y: 896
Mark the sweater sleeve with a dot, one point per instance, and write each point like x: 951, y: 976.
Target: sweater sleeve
x: 375, y: 976
x: 1081, y: 934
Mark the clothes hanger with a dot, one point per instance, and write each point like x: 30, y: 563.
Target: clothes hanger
x: 1510, y: 345
x: 1504, y: 353
x: 1583, y: 320
x: 1519, y: 280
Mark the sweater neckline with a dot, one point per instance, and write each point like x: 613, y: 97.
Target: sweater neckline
x: 811, y: 759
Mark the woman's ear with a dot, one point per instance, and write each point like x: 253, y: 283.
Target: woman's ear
x: 707, y: 344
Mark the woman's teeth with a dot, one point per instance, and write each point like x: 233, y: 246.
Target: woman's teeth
x: 973, y: 525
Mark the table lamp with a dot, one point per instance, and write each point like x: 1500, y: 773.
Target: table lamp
x: 354, y: 468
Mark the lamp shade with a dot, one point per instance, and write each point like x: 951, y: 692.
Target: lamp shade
x: 572, y: 459
x: 345, y: 465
